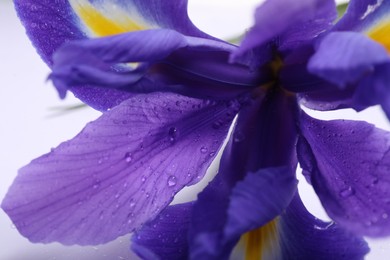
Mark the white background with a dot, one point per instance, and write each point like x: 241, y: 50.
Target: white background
x: 30, y: 126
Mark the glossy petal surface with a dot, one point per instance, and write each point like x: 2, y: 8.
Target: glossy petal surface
x: 166, y: 236
x: 120, y: 171
x: 330, y: 153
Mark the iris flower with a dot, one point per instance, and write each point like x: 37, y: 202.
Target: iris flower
x: 169, y: 94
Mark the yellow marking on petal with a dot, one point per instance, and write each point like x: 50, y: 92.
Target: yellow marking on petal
x: 381, y: 34
x: 112, y: 21
x: 261, y: 240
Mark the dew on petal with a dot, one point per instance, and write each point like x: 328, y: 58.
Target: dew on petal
x: 172, y: 133
x: 128, y: 157
x: 203, y: 149
x: 172, y: 181
x: 347, y: 192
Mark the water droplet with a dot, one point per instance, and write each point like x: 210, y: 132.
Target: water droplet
x: 95, y: 186
x: 211, y: 154
x: 172, y: 181
x: 13, y: 226
x: 128, y: 157
x: 143, y: 179
x: 172, y: 133
x: 132, y: 204
x: 203, y: 149
x: 147, y: 194
x: 347, y: 192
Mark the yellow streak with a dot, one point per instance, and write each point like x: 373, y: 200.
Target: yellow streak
x: 100, y: 24
x: 381, y: 34
x: 258, y: 240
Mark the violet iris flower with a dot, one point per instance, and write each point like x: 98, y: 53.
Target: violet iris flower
x: 169, y: 94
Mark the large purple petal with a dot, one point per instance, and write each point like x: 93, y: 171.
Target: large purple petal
x: 344, y: 58
x: 120, y: 171
x: 303, y: 236
x: 264, y: 136
x: 166, y: 236
x: 273, y: 19
x: 348, y: 165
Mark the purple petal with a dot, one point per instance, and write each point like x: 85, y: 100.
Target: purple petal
x: 50, y: 24
x: 374, y: 90
x: 364, y: 16
x: 264, y: 137
x: 305, y: 237
x: 273, y: 19
x: 90, y: 61
x: 166, y: 236
x: 258, y: 199
x: 340, y: 59
x: 166, y: 59
x: 348, y: 163
x: 120, y: 171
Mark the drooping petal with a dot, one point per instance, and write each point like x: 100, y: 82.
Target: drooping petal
x: 167, y: 61
x: 343, y: 58
x: 120, y: 171
x: 273, y: 19
x: 90, y: 61
x: 50, y: 24
x: 264, y: 137
x: 348, y: 165
x: 166, y: 236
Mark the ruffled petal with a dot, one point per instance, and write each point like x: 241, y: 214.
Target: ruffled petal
x: 264, y: 137
x: 348, y: 165
x: 166, y: 236
x: 312, y: 15
x: 341, y: 60
x: 120, y: 171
